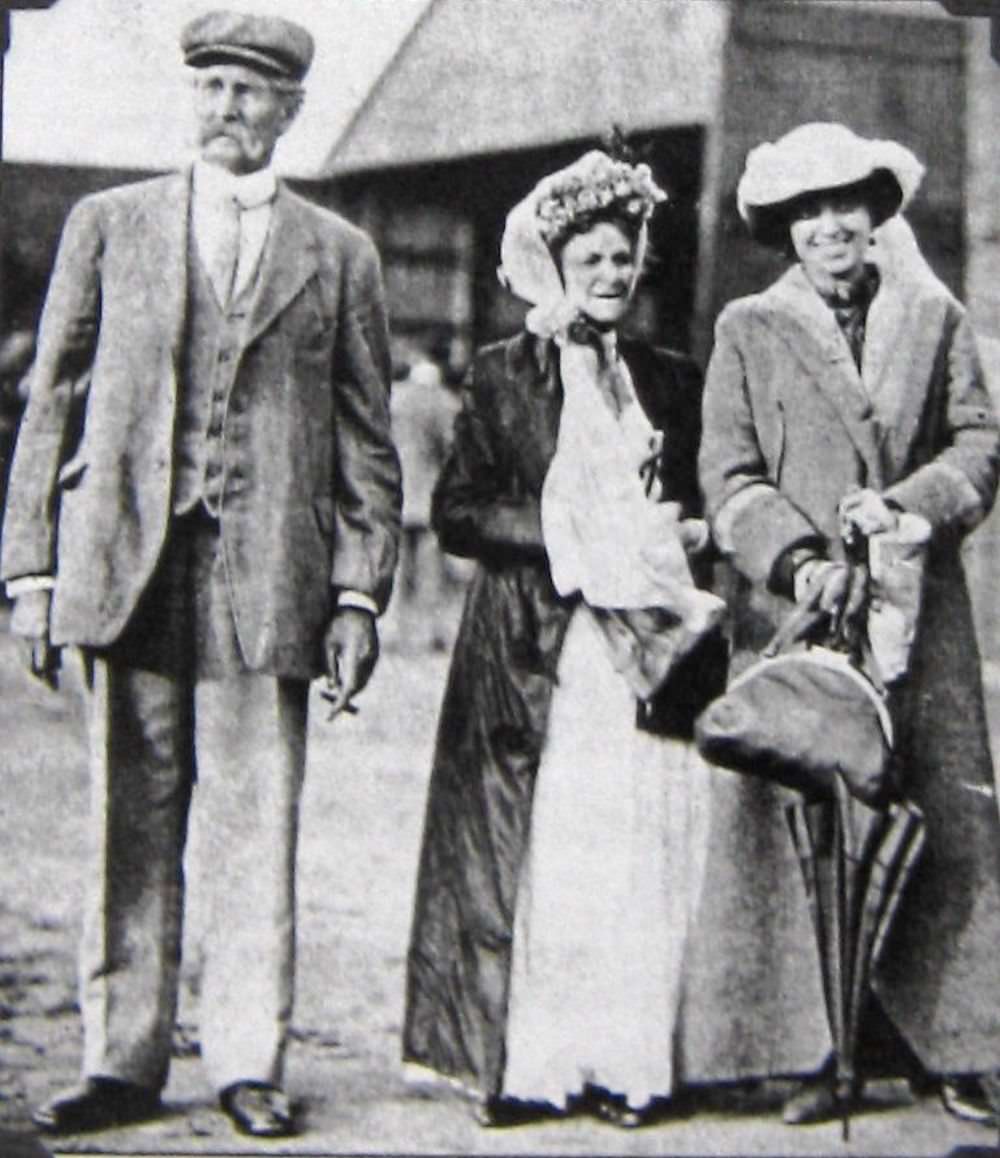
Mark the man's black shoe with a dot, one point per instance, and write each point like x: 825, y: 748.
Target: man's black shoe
x: 97, y: 1103
x: 258, y: 1109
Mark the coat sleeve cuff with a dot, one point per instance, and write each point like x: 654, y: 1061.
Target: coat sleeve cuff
x: 28, y: 583
x: 356, y: 600
x: 940, y: 492
x: 756, y: 526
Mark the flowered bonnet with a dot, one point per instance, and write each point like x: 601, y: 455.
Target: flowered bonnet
x: 561, y: 204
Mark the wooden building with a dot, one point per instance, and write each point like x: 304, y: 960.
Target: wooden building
x: 483, y: 98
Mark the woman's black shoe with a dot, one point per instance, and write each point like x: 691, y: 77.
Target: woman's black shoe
x: 611, y: 1108
x: 963, y: 1097
x: 820, y: 1101
x: 498, y: 1112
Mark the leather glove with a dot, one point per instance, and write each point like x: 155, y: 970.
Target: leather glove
x: 839, y: 590
x: 825, y: 585
x: 30, y: 623
x: 350, y: 649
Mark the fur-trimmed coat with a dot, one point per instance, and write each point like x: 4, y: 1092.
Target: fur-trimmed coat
x: 789, y: 427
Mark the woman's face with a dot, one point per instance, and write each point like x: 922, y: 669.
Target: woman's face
x: 598, y: 270
x: 830, y: 236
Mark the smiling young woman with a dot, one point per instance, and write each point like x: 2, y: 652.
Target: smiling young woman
x: 852, y: 384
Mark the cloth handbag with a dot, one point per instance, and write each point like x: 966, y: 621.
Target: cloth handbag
x: 801, y: 718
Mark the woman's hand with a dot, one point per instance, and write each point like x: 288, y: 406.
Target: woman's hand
x: 694, y: 535
x: 823, y: 584
x: 839, y: 590
x: 867, y: 512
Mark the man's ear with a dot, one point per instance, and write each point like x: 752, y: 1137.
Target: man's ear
x: 291, y: 104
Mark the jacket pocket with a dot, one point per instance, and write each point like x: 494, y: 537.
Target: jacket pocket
x: 778, y: 460
x: 323, y: 509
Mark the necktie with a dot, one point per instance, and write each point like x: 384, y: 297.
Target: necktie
x: 226, y: 257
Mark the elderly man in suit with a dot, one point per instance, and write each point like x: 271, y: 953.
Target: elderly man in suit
x: 205, y: 499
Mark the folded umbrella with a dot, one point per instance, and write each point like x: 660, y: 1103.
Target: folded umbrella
x: 855, y: 862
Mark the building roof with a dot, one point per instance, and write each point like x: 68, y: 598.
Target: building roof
x: 477, y: 76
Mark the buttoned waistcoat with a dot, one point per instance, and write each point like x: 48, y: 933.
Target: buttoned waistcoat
x: 310, y: 492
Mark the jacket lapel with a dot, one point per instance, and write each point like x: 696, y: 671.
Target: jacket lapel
x: 901, y: 342
x: 160, y: 227
x: 531, y: 369
x: 797, y: 315
x: 288, y: 262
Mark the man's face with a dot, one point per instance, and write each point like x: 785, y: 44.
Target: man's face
x: 240, y: 117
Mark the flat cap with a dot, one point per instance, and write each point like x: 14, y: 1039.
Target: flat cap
x: 270, y: 43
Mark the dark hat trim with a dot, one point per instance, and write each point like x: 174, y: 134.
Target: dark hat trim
x: 205, y: 55
x: 881, y: 191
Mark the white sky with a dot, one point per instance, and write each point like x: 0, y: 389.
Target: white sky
x: 102, y: 82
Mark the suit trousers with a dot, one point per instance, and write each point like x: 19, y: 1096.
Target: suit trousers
x: 175, y: 717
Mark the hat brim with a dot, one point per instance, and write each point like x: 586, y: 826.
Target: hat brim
x: 208, y: 54
x: 880, y: 191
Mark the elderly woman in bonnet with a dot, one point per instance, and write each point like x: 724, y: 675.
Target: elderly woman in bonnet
x: 547, y: 969
x: 849, y: 395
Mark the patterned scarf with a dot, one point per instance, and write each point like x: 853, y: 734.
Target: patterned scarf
x: 850, y: 308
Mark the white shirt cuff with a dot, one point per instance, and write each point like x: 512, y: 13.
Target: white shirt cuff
x: 27, y: 583
x: 358, y: 600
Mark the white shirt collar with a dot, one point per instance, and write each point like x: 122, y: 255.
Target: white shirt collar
x: 213, y: 183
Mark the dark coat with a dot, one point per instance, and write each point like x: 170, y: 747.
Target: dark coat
x: 788, y: 430
x: 311, y: 490
x: 495, y: 711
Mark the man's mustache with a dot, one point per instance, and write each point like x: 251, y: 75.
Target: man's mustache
x: 232, y: 132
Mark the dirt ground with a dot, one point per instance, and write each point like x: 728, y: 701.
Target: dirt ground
x: 362, y: 816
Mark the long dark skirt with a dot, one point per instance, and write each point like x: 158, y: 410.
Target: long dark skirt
x: 490, y: 731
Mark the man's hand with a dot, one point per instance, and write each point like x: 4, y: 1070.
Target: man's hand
x: 30, y: 623
x: 351, y: 651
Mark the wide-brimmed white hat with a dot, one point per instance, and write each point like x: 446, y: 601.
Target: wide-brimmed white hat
x: 815, y: 157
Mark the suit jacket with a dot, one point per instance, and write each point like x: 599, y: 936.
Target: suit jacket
x: 311, y: 490
x: 789, y: 427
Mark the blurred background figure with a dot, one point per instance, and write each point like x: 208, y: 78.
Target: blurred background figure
x: 423, y: 409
